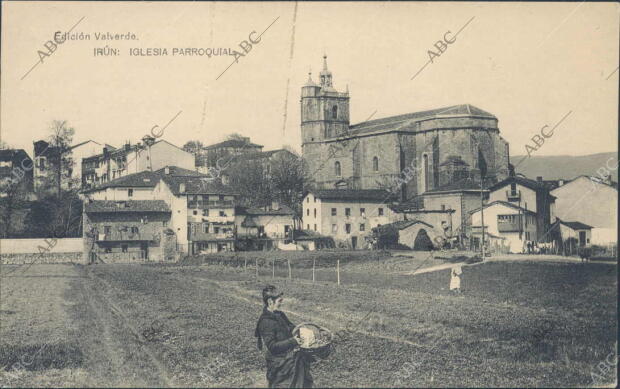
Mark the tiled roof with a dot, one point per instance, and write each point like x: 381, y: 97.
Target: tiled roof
x: 506, y: 203
x: 402, y: 224
x: 11, y: 154
x: 197, y: 185
x: 195, y: 182
x: 101, y: 206
x: 379, y: 195
x: 145, y: 179
x: 576, y: 225
x: 236, y: 143
x: 526, y: 182
x: 260, y: 155
x: 83, y: 143
x: 407, y: 121
x: 262, y: 211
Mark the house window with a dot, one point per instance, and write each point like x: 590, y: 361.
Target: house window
x: 134, y: 230
x: 108, y: 250
x: 205, y: 228
x: 335, y: 112
x: 307, y: 226
x: 315, y: 212
x: 363, y: 212
x: 375, y: 164
x: 165, y: 223
x: 362, y: 227
x: 205, y: 212
x: 308, y: 212
x: 334, y: 212
x: 347, y: 228
x: 315, y: 199
x: 380, y: 211
x: 107, y: 229
x: 216, y: 230
x: 334, y: 228
x: 222, y: 213
x: 513, y: 188
x: 443, y: 207
x: 124, y: 248
x: 315, y: 227
x: 195, y: 212
x: 308, y: 199
x: 337, y: 168
x: 347, y: 211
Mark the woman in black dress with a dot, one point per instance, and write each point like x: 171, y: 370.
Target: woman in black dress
x: 287, y: 367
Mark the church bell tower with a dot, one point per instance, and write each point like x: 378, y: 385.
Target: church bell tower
x: 324, y: 110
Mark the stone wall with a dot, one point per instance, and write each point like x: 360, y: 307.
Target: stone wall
x: 51, y: 257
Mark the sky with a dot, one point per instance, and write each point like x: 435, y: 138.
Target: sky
x: 530, y: 64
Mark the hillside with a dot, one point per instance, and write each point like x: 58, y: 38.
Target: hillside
x: 565, y: 166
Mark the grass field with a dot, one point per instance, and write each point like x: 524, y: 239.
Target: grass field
x: 516, y: 324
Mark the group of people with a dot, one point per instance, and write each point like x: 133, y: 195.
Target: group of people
x: 532, y: 247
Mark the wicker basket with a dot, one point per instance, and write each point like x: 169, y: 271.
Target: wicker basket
x: 323, y: 347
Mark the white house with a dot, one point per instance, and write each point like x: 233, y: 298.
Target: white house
x: 513, y: 224
x: 593, y: 202
x: 347, y: 215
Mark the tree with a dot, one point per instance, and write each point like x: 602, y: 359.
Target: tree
x: 59, y: 156
x: 55, y: 217
x: 288, y: 176
x: 193, y: 146
x: 12, y: 202
x: 236, y: 136
x: 249, y: 180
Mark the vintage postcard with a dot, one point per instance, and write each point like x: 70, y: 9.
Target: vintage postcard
x: 309, y: 194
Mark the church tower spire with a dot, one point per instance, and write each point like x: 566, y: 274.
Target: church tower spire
x: 325, y: 75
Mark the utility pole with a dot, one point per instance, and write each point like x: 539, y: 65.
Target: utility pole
x: 482, y: 216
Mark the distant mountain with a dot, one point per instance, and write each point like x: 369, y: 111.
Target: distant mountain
x: 565, y: 166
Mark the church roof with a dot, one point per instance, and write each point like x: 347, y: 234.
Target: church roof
x: 374, y: 195
x: 407, y: 121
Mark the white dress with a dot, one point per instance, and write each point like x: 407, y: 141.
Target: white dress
x: 455, y: 279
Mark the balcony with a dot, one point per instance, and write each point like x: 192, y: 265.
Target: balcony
x: 124, y: 236
x: 510, y: 226
x: 201, y: 236
x: 513, y: 195
x: 210, y: 204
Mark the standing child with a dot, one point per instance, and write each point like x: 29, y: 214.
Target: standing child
x: 455, y: 279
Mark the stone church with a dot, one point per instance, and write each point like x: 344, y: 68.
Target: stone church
x: 436, y: 148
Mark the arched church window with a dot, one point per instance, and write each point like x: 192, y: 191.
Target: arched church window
x: 337, y: 168
x: 375, y: 164
x: 335, y: 112
x: 425, y: 172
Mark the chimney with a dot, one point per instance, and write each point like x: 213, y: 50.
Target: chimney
x: 560, y: 182
x: 182, y: 187
x: 105, y: 152
x: 167, y: 171
x: 148, y: 140
x: 127, y: 146
x: 275, y: 205
x: 539, y: 178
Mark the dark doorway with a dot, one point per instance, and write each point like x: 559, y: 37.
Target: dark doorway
x: 144, y: 250
x: 354, y: 242
x: 582, y: 238
x: 422, y: 241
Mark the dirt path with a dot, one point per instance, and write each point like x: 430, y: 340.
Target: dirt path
x: 117, y: 352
